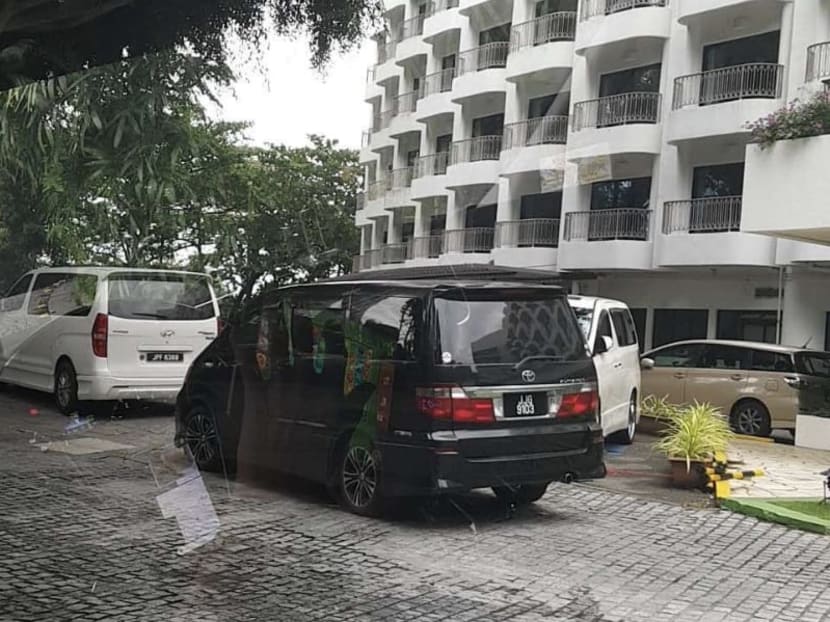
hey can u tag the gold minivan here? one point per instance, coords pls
(759, 385)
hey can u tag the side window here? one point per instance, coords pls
(624, 327)
(685, 355)
(317, 328)
(764, 360)
(14, 298)
(391, 325)
(63, 294)
(716, 356)
(604, 327)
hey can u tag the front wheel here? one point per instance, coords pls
(359, 481)
(66, 388)
(752, 418)
(521, 495)
(201, 439)
(626, 435)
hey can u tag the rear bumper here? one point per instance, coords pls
(438, 469)
(112, 388)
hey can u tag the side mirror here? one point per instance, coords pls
(603, 345)
(646, 363)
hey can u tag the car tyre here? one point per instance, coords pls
(750, 417)
(202, 440)
(524, 494)
(66, 388)
(358, 480)
(626, 436)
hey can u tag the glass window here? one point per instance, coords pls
(492, 125)
(717, 356)
(16, 295)
(678, 325)
(160, 295)
(63, 294)
(500, 332)
(585, 315)
(722, 180)
(639, 318)
(624, 327)
(497, 33)
(618, 193)
(681, 355)
(480, 216)
(604, 326)
(755, 49)
(638, 79)
(546, 7)
(813, 363)
(389, 324)
(764, 360)
(549, 105)
(317, 328)
(541, 205)
(748, 325)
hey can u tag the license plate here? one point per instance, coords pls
(165, 357)
(525, 404)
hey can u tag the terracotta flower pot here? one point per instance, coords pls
(688, 475)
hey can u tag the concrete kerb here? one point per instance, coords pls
(768, 510)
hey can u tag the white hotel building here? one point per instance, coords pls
(606, 140)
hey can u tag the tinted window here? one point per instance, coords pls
(638, 316)
(317, 329)
(624, 327)
(500, 332)
(686, 355)
(763, 360)
(716, 356)
(604, 326)
(813, 363)
(679, 324)
(160, 296)
(391, 321)
(621, 193)
(748, 325)
(585, 315)
(63, 294)
(14, 298)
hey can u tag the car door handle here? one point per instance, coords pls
(679, 375)
(736, 377)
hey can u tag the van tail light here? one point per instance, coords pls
(580, 404)
(100, 331)
(450, 403)
(220, 326)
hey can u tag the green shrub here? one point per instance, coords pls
(799, 119)
(694, 433)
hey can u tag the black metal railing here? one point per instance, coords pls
(552, 130)
(608, 224)
(488, 56)
(749, 81)
(471, 240)
(529, 232)
(476, 149)
(818, 61)
(559, 26)
(594, 8)
(623, 109)
(432, 164)
(438, 82)
(706, 215)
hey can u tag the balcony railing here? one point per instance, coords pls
(393, 253)
(432, 164)
(593, 8)
(357, 263)
(623, 109)
(427, 247)
(818, 61)
(369, 259)
(361, 201)
(412, 27)
(608, 224)
(405, 102)
(488, 56)
(552, 27)
(400, 178)
(750, 81)
(386, 50)
(366, 138)
(438, 82)
(381, 120)
(440, 5)
(472, 240)
(552, 130)
(376, 189)
(707, 215)
(529, 232)
(476, 149)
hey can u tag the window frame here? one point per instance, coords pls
(29, 277)
(63, 277)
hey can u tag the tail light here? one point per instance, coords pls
(579, 404)
(448, 403)
(100, 330)
(220, 326)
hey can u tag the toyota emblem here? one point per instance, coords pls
(528, 375)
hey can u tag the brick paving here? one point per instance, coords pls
(82, 537)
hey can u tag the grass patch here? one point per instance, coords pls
(806, 514)
(818, 509)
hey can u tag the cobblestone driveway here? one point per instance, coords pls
(82, 537)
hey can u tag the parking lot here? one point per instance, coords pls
(83, 535)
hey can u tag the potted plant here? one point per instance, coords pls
(692, 435)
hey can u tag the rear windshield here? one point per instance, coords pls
(813, 363)
(481, 332)
(160, 296)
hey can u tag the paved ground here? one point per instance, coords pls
(83, 537)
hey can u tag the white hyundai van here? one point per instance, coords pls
(87, 333)
(612, 337)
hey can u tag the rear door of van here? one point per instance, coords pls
(512, 367)
(158, 322)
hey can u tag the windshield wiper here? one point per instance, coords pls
(539, 357)
(157, 316)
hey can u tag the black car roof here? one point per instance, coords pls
(458, 272)
(422, 284)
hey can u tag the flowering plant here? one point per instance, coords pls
(799, 119)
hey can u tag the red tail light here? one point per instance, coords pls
(579, 404)
(100, 331)
(453, 404)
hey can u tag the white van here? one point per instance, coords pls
(105, 333)
(612, 337)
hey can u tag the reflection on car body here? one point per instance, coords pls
(388, 389)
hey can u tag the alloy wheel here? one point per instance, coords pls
(64, 388)
(201, 438)
(749, 420)
(359, 477)
(632, 418)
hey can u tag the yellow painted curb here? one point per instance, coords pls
(755, 439)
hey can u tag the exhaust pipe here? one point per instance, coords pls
(568, 478)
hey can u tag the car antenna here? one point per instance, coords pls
(806, 343)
